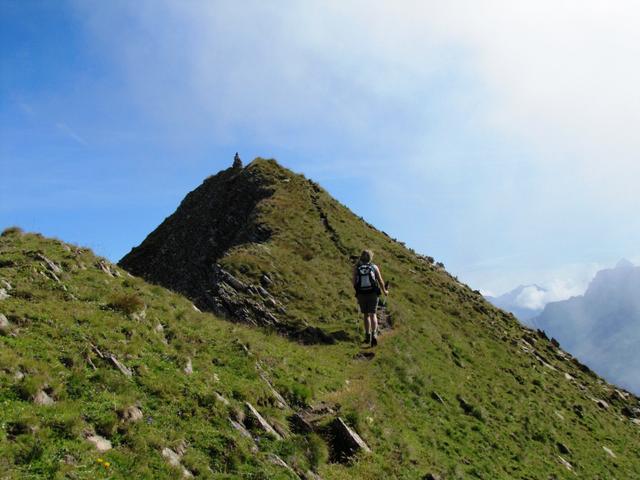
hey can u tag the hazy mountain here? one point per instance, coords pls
(602, 327)
(106, 375)
(523, 301)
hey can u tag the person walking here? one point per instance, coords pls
(368, 283)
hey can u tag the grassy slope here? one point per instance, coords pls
(446, 340)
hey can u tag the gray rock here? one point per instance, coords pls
(6, 284)
(173, 459)
(126, 371)
(188, 369)
(101, 443)
(221, 399)
(3, 294)
(276, 460)
(346, 442)
(259, 421)
(42, 398)
(53, 267)
(132, 414)
(566, 464)
(609, 452)
(4, 322)
(240, 428)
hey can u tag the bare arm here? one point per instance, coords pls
(383, 285)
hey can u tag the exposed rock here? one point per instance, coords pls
(609, 452)
(437, 397)
(6, 284)
(431, 476)
(345, 441)
(18, 375)
(566, 464)
(101, 443)
(53, 267)
(601, 403)
(42, 398)
(104, 266)
(567, 376)
(240, 428)
(195, 308)
(173, 459)
(279, 399)
(221, 399)
(3, 294)
(276, 460)
(126, 371)
(181, 448)
(188, 369)
(4, 323)
(132, 414)
(301, 424)
(259, 421)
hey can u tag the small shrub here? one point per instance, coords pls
(126, 303)
(12, 231)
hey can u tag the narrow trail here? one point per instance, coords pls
(333, 234)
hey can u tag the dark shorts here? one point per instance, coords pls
(368, 302)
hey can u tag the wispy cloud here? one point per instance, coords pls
(70, 133)
(512, 121)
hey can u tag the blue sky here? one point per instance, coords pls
(501, 138)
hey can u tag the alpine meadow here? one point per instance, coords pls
(228, 345)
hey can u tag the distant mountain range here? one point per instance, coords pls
(601, 327)
(525, 301)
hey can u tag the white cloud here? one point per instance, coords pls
(547, 89)
(535, 298)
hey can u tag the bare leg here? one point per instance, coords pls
(367, 324)
(374, 324)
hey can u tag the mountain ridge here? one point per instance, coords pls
(601, 326)
(456, 388)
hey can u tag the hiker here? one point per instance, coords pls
(367, 280)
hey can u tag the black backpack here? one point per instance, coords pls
(366, 279)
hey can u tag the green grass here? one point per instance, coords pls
(503, 412)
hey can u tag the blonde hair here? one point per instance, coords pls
(365, 257)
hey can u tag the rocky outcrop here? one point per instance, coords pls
(346, 442)
(183, 252)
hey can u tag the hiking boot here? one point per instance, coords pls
(374, 339)
(367, 338)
